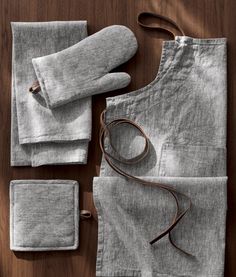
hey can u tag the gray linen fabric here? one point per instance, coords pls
(39, 135)
(44, 215)
(83, 69)
(183, 112)
(130, 215)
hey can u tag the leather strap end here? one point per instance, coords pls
(35, 87)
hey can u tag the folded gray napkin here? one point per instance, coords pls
(38, 135)
(83, 69)
(44, 215)
(130, 215)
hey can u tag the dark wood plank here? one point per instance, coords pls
(199, 18)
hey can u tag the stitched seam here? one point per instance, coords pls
(101, 241)
(136, 273)
(41, 79)
(54, 134)
(13, 227)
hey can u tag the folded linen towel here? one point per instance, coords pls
(38, 135)
(44, 215)
(83, 69)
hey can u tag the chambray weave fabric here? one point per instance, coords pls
(83, 69)
(39, 135)
(44, 215)
(183, 112)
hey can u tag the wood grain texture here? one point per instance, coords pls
(199, 18)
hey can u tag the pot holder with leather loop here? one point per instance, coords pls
(44, 215)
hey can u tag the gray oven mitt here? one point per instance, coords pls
(83, 69)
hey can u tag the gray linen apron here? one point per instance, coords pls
(183, 113)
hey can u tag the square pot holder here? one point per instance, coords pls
(44, 215)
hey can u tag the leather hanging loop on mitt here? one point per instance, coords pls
(35, 88)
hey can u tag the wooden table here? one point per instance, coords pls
(199, 18)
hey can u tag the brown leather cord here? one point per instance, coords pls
(143, 15)
(35, 88)
(105, 133)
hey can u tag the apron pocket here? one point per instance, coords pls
(192, 161)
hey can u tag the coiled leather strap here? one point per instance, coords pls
(105, 133)
(144, 15)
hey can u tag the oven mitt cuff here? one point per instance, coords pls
(83, 69)
(44, 215)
